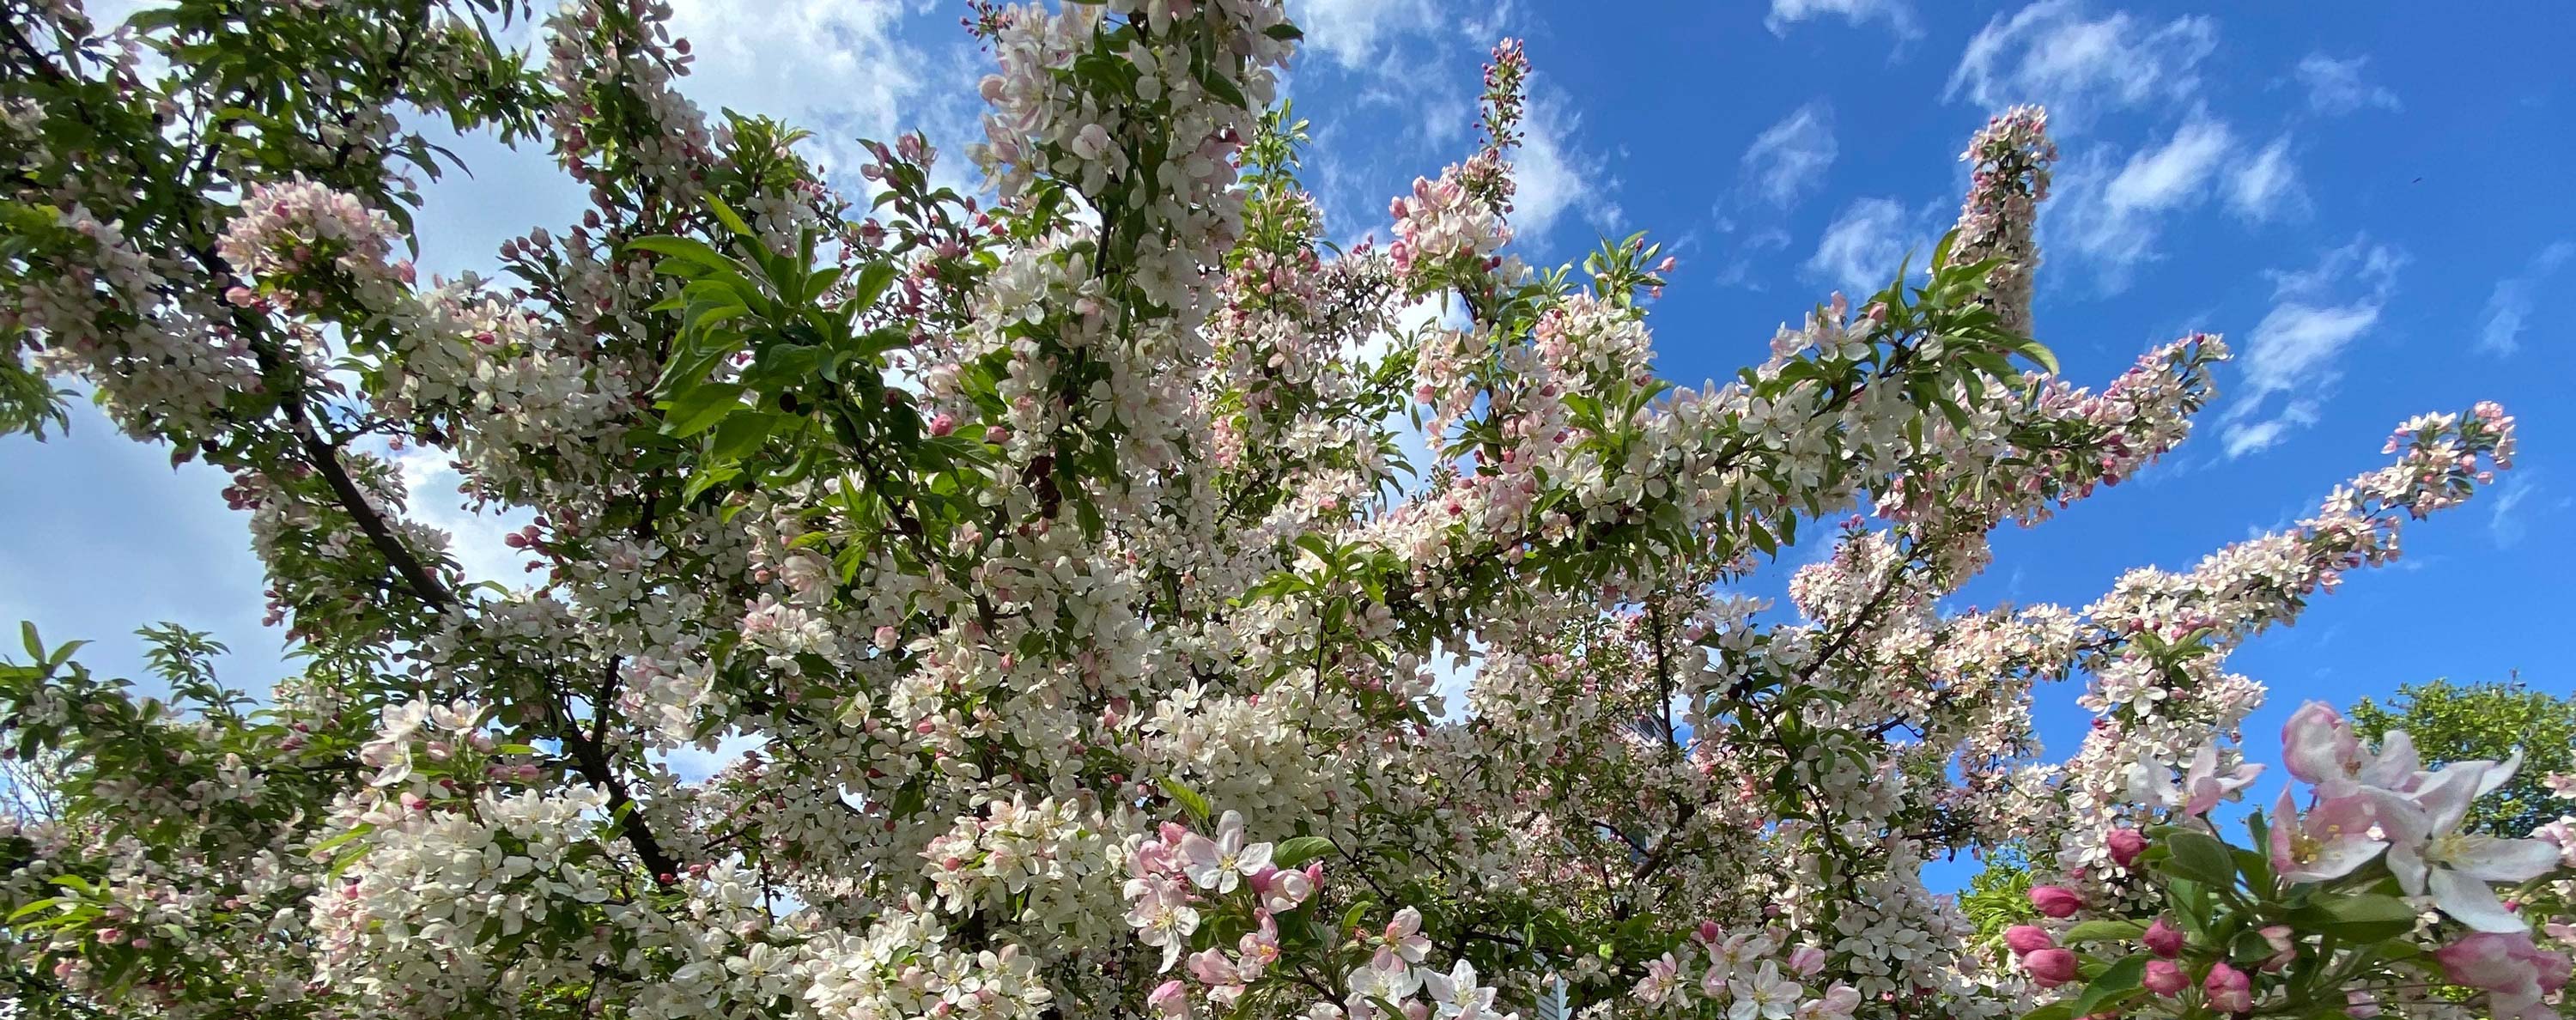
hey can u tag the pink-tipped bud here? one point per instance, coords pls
(2163, 939)
(2056, 901)
(2284, 948)
(2165, 978)
(2050, 967)
(2026, 939)
(2126, 845)
(2228, 989)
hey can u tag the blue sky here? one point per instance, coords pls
(2371, 205)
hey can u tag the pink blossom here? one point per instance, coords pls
(2515, 974)
(1170, 998)
(2331, 841)
(2319, 747)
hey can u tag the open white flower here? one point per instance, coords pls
(2429, 855)
(1764, 995)
(1221, 863)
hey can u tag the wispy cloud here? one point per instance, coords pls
(839, 68)
(1355, 33)
(2267, 187)
(2505, 521)
(2336, 86)
(1789, 158)
(2056, 53)
(1556, 174)
(1861, 250)
(2293, 354)
(1898, 14)
(2509, 308)
(2113, 216)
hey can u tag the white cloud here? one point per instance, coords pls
(1898, 14)
(1861, 250)
(2336, 86)
(2509, 308)
(1789, 158)
(2112, 217)
(476, 540)
(1555, 175)
(1352, 32)
(2267, 187)
(2054, 53)
(2293, 353)
(834, 67)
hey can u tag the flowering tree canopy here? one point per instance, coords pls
(1060, 548)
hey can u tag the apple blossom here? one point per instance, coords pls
(1053, 537)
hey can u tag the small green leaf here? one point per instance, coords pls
(1296, 852)
(1189, 799)
(700, 408)
(2356, 917)
(2199, 857)
(725, 215)
(2115, 984)
(2103, 931)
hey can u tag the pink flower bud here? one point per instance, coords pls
(1807, 961)
(2163, 939)
(2050, 967)
(2165, 978)
(2026, 939)
(2126, 844)
(2056, 901)
(2228, 989)
(1708, 933)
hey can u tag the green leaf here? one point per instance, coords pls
(740, 435)
(2199, 857)
(725, 215)
(2104, 931)
(872, 281)
(2356, 917)
(2115, 984)
(700, 408)
(1295, 852)
(1189, 799)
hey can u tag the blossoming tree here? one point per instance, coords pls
(1058, 548)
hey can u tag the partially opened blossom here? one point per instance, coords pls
(2227, 989)
(2515, 974)
(2319, 747)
